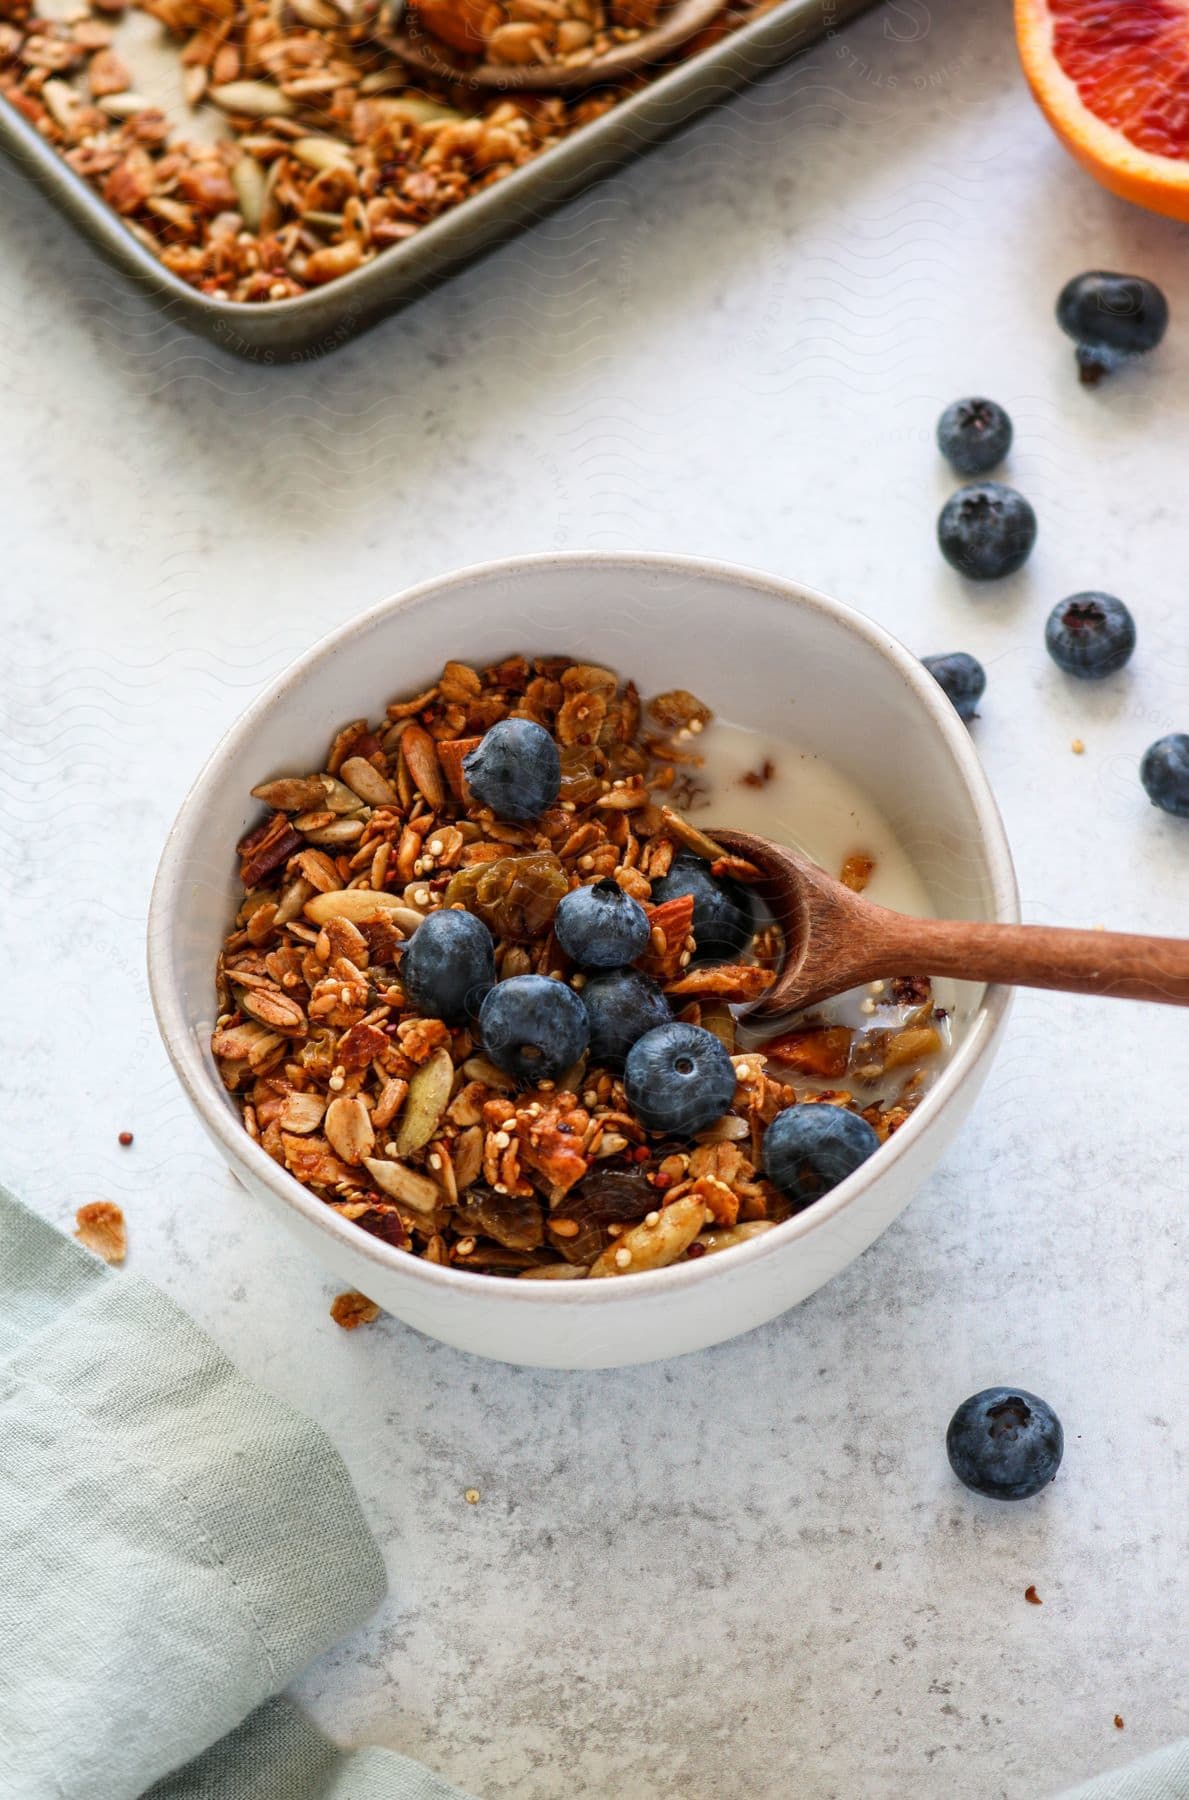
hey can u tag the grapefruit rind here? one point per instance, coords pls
(1160, 183)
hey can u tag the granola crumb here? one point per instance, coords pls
(125, 1138)
(472, 1496)
(857, 871)
(350, 1310)
(1078, 748)
(100, 1228)
(1032, 1597)
(1118, 1721)
(758, 778)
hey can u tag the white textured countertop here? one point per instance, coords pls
(748, 1572)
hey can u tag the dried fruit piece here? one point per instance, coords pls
(822, 1051)
(513, 1220)
(515, 897)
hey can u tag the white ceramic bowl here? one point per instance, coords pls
(760, 651)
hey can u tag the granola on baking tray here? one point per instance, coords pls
(297, 146)
(432, 1132)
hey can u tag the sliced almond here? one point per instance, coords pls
(276, 1010)
(429, 1096)
(450, 754)
(252, 99)
(302, 1112)
(349, 1130)
(323, 153)
(361, 903)
(421, 758)
(400, 1182)
(291, 793)
(367, 782)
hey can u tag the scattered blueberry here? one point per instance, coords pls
(679, 1079)
(1110, 317)
(601, 927)
(1165, 773)
(621, 1006)
(974, 435)
(516, 770)
(533, 1027)
(1090, 635)
(449, 965)
(1005, 1443)
(961, 677)
(809, 1149)
(986, 530)
(723, 921)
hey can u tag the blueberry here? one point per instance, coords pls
(679, 1079)
(809, 1149)
(974, 435)
(533, 1027)
(961, 677)
(516, 770)
(723, 920)
(449, 965)
(1110, 317)
(600, 926)
(986, 530)
(621, 1006)
(1005, 1443)
(1090, 635)
(1165, 773)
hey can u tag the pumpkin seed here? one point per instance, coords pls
(428, 1098)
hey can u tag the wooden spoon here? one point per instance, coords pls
(834, 939)
(429, 56)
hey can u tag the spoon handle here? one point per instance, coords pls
(1124, 965)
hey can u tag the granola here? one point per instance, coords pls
(404, 1123)
(100, 1228)
(300, 147)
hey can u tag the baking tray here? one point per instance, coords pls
(283, 331)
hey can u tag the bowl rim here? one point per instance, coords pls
(209, 1100)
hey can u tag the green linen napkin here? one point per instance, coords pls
(175, 1546)
(1162, 1776)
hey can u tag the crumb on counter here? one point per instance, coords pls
(124, 1139)
(351, 1310)
(1078, 748)
(100, 1228)
(1118, 1721)
(472, 1496)
(857, 871)
(1032, 1597)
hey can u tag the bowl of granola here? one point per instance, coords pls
(455, 974)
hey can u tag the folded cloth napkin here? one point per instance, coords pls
(175, 1546)
(1162, 1776)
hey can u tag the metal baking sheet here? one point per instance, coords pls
(292, 330)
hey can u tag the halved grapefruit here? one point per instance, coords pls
(1113, 79)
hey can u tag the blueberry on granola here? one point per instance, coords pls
(621, 1005)
(515, 770)
(961, 677)
(1090, 635)
(723, 921)
(679, 1079)
(449, 965)
(1005, 1443)
(809, 1149)
(601, 927)
(1164, 772)
(973, 435)
(986, 531)
(532, 1027)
